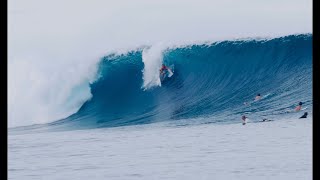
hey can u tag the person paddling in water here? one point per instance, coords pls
(257, 98)
(298, 108)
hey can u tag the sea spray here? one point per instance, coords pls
(152, 58)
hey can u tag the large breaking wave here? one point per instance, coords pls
(210, 83)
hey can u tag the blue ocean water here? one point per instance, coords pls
(210, 84)
(278, 150)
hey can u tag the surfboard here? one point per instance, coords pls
(171, 70)
(266, 120)
(304, 108)
(265, 96)
(168, 73)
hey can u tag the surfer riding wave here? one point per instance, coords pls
(163, 71)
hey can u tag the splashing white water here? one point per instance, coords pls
(152, 59)
(43, 92)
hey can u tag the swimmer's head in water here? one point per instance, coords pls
(300, 103)
(258, 95)
(244, 117)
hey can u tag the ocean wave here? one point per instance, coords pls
(210, 83)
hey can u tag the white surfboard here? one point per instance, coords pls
(170, 73)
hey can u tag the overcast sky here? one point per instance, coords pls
(35, 25)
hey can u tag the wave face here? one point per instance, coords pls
(210, 83)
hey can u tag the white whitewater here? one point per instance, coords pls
(152, 58)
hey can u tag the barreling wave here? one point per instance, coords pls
(210, 83)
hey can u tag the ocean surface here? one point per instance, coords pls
(280, 149)
(188, 126)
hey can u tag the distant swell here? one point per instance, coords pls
(210, 83)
